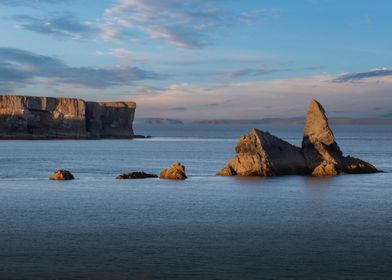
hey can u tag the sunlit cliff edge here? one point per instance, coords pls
(30, 117)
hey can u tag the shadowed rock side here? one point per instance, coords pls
(110, 119)
(29, 117)
(322, 153)
(136, 175)
(262, 154)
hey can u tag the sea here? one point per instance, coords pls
(206, 227)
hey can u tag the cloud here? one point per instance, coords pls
(269, 98)
(252, 16)
(178, 109)
(358, 76)
(180, 23)
(264, 70)
(65, 26)
(212, 105)
(124, 55)
(20, 68)
(254, 72)
(31, 2)
(184, 24)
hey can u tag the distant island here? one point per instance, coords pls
(268, 121)
(300, 121)
(159, 121)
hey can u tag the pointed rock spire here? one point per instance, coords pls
(316, 127)
(322, 153)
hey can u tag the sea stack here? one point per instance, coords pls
(322, 153)
(30, 117)
(62, 175)
(262, 154)
(174, 172)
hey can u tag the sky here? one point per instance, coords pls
(203, 59)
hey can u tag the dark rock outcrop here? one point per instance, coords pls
(110, 119)
(136, 175)
(322, 153)
(262, 154)
(29, 117)
(174, 172)
(62, 175)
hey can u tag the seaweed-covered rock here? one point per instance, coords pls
(136, 175)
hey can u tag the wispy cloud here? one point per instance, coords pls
(178, 109)
(31, 2)
(65, 25)
(181, 23)
(124, 55)
(20, 67)
(253, 16)
(269, 98)
(253, 72)
(358, 76)
(184, 24)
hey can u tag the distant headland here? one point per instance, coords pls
(30, 117)
(268, 121)
(301, 121)
(158, 121)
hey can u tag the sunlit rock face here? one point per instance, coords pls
(174, 172)
(262, 154)
(322, 153)
(28, 117)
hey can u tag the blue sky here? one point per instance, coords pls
(198, 59)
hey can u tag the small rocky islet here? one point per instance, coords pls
(62, 175)
(262, 154)
(175, 172)
(136, 175)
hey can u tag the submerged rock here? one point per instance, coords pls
(136, 175)
(174, 172)
(322, 153)
(262, 154)
(62, 175)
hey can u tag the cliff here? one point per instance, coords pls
(110, 119)
(29, 117)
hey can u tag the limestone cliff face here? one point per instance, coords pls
(110, 119)
(29, 117)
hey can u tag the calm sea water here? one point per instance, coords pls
(206, 227)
